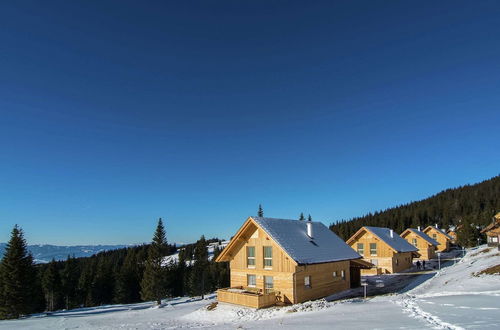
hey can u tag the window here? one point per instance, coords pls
(251, 281)
(373, 249)
(414, 242)
(342, 273)
(335, 274)
(307, 281)
(397, 262)
(268, 284)
(361, 248)
(374, 262)
(251, 256)
(434, 236)
(268, 256)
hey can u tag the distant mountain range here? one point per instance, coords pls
(45, 253)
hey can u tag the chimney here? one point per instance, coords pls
(437, 226)
(418, 228)
(309, 229)
(392, 233)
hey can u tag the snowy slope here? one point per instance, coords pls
(452, 298)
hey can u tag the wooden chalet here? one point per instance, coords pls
(383, 248)
(440, 236)
(492, 231)
(287, 261)
(426, 246)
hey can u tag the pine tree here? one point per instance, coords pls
(51, 284)
(153, 284)
(69, 282)
(260, 212)
(309, 218)
(17, 278)
(301, 217)
(128, 280)
(197, 277)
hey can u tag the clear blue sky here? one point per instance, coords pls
(116, 113)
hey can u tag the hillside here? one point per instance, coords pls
(475, 204)
(456, 297)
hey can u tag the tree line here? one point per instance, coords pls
(129, 275)
(468, 208)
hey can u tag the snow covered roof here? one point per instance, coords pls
(396, 242)
(291, 236)
(424, 236)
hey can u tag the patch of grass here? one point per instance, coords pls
(494, 270)
(482, 251)
(212, 306)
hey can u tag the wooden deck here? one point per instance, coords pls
(240, 296)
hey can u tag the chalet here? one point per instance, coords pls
(426, 246)
(383, 248)
(492, 231)
(287, 261)
(440, 236)
(452, 232)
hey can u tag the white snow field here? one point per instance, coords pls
(452, 298)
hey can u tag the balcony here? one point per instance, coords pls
(250, 297)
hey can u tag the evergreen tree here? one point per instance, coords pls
(260, 212)
(153, 284)
(197, 277)
(51, 284)
(69, 281)
(17, 278)
(309, 218)
(128, 280)
(302, 218)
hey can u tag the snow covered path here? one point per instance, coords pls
(452, 298)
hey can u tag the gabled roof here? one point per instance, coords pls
(291, 236)
(439, 230)
(421, 234)
(492, 225)
(396, 242)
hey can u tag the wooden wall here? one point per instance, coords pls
(322, 281)
(444, 242)
(385, 258)
(426, 250)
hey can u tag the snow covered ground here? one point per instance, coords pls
(452, 298)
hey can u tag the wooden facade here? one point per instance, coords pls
(492, 231)
(443, 239)
(289, 282)
(426, 250)
(374, 250)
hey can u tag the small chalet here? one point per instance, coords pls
(440, 236)
(287, 261)
(426, 246)
(385, 249)
(452, 232)
(492, 231)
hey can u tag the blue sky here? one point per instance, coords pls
(116, 113)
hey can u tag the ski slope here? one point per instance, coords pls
(452, 298)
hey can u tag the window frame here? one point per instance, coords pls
(254, 285)
(342, 274)
(250, 258)
(414, 242)
(268, 260)
(267, 288)
(372, 249)
(361, 250)
(307, 281)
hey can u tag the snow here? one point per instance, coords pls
(291, 235)
(396, 242)
(450, 298)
